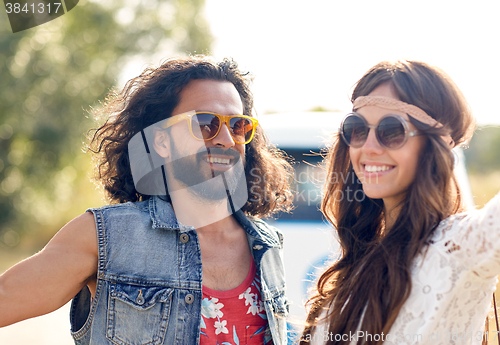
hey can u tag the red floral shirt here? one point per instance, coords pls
(235, 317)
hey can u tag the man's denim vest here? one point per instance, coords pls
(149, 278)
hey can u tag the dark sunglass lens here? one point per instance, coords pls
(205, 126)
(355, 131)
(391, 132)
(241, 128)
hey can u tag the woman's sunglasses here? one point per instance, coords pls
(205, 126)
(392, 131)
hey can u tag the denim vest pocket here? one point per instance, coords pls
(138, 315)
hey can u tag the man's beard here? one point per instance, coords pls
(197, 175)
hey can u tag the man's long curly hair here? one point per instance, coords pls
(151, 97)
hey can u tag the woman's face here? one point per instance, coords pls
(385, 174)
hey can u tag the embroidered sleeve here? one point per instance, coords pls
(474, 238)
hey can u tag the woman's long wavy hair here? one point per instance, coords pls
(366, 288)
(150, 98)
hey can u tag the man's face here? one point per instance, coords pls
(196, 163)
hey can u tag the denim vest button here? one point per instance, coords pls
(184, 238)
(189, 298)
(140, 299)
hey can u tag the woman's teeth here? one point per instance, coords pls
(376, 168)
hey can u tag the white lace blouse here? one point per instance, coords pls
(452, 284)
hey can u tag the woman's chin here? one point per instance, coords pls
(374, 193)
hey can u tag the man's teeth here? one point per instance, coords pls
(218, 160)
(376, 168)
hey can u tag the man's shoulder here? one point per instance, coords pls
(263, 227)
(127, 207)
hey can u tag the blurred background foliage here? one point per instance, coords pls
(483, 163)
(51, 77)
(483, 154)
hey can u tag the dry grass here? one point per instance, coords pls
(484, 187)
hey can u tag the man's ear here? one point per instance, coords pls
(161, 142)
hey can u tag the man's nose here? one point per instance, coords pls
(224, 137)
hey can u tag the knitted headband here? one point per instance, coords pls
(394, 104)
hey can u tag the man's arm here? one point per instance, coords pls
(49, 279)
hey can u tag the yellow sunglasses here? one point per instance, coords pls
(205, 126)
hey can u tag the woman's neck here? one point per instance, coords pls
(391, 214)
